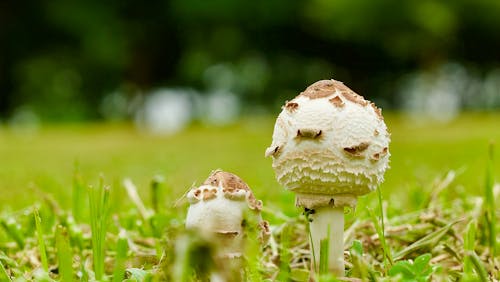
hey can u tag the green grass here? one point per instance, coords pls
(99, 210)
(45, 161)
(64, 254)
(434, 198)
(41, 241)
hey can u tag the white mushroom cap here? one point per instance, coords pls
(329, 141)
(219, 206)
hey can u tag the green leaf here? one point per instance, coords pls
(299, 274)
(138, 274)
(421, 264)
(357, 247)
(402, 267)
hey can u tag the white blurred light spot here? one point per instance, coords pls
(434, 95)
(24, 121)
(165, 111)
(222, 108)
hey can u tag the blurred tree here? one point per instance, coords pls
(62, 58)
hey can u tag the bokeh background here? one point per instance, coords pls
(125, 60)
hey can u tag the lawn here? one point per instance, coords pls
(38, 166)
(45, 161)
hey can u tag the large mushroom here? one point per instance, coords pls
(329, 146)
(219, 209)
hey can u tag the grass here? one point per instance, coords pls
(436, 219)
(99, 209)
(41, 241)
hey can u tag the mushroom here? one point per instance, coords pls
(218, 209)
(329, 147)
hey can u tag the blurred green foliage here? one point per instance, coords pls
(60, 58)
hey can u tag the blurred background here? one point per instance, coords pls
(165, 64)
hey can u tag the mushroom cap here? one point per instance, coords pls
(220, 205)
(330, 141)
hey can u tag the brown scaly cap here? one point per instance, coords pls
(357, 150)
(231, 184)
(291, 106)
(377, 111)
(321, 89)
(325, 88)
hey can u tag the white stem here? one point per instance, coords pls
(328, 223)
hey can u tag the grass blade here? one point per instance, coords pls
(323, 254)
(285, 255)
(3, 273)
(490, 203)
(99, 205)
(386, 249)
(478, 266)
(121, 257)
(156, 184)
(360, 268)
(426, 242)
(469, 245)
(78, 195)
(41, 241)
(134, 197)
(14, 231)
(388, 259)
(64, 255)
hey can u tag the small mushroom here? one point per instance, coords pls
(349, 160)
(218, 209)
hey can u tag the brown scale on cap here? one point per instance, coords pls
(320, 89)
(337, 102)
(376, 133)
(326, 88)
(265, 232)
(209, 194)
(376, 156)
(353, 97)
(356, 150)
(274, 152)
(378, 111)
(231, 184)
(197, 193)
(291, 106)
(309, 133)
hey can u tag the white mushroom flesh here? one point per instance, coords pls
(329, 141)
(219, 207)
(211, 210)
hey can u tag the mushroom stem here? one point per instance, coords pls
(328, 223)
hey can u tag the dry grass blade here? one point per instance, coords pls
(134, 197)
(428, 241)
